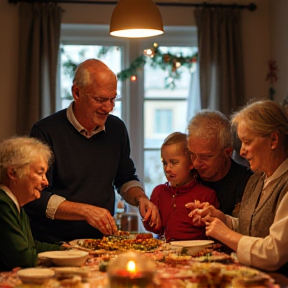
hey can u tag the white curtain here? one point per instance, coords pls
(193, 99)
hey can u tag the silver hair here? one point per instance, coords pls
(19, 152)
(211, 124)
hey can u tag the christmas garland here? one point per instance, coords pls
(165, 61)
(153, 56)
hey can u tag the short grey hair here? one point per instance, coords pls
(19, 152)
(211, 124)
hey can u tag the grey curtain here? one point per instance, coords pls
(220, 58)
(39, 47)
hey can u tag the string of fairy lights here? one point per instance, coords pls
(152, 56)
(156, 58)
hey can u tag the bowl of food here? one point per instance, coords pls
(65, 257)
(35, 275)
(190, 247)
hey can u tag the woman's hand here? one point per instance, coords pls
(217, 229)
(199, 211)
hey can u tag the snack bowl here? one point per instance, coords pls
(35, 275)
(66, 257)
(190, 247)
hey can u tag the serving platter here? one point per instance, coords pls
(140, 242)
(79, 244)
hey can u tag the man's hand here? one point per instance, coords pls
(97, 217)
(197, 205)
(196, 213)
(101, 219)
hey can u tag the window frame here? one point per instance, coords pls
(132, 92)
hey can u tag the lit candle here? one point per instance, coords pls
(131, 270)
(131, 266)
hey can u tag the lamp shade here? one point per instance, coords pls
(136, 19)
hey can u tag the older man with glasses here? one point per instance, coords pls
(210, 143)
(92, 158)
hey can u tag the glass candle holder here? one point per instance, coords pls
(131, 269)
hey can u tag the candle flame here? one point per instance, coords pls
(131, 266)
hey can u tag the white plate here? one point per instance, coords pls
(66, 257)
(35, 275)
(192, 247)
(76, 242)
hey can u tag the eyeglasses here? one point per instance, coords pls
(201, 157)
(102, 100)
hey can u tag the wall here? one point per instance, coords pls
(8, 67)
(279, 44)
(257, 50)
(256, 42)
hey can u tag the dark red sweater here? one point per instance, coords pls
(176, 225)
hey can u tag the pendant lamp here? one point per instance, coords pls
(136, 19)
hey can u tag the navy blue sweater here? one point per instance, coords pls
(229, 190)
(84, 170)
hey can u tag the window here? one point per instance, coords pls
(71, 54)
(163, 121)
(149, 110)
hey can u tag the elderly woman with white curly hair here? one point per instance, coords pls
(23, 165)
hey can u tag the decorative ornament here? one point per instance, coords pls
(166, 58)
(272, 77)
(133, 78)
(194, 59)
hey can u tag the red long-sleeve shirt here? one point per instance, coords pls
(176, 225)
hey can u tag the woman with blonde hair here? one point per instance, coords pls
(23, 165)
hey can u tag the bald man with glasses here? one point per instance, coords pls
(92, 158)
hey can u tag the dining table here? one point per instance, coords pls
(213, 266)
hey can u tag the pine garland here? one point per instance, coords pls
(152, 56)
